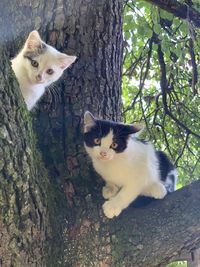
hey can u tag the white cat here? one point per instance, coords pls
(37, 66)
(130, 167)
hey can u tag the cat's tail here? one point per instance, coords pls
(171, 180)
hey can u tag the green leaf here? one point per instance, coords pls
(157, 28)
(166, 15)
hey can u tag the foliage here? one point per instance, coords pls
(160, 82)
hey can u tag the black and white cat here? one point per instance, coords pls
(130, 167)
(37, 66)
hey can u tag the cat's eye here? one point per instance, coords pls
(97, 141)
(34, 63)
(114, 145)
(50, 71)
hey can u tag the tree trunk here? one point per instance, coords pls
(23, 213)
(52, 215)
(94, 34)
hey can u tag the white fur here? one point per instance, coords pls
(127, 175)
(26, 74)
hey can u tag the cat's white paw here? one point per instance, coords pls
(159, 191)
(111, 209)
(109, 191)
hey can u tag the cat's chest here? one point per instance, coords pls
(32, 94)
(118, 173)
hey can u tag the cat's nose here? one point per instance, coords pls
(103, 154)
(39, 78)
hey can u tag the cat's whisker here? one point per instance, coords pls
(54, 95)
(55, 92)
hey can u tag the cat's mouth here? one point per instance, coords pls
(104, 158)
(41, 82)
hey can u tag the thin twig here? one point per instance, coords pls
(183, 149)
(194, 66)
(142, 80)
(164, 89)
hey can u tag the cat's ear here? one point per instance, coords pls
(33, 41)
(89, 121)
(138, 127)
(134, 128)
(65, 60)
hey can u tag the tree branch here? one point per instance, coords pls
(179, 10)
(183, 149)
(194, 66)
(159, 232)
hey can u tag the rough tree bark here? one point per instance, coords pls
(23, 223)
(50, 202)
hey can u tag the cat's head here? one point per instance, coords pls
(105, 139)
(43, 63)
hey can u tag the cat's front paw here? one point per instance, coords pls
(111, 209)
(109, 191)
(159, 191)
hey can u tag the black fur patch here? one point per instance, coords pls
(102, 128)
(165, 165)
